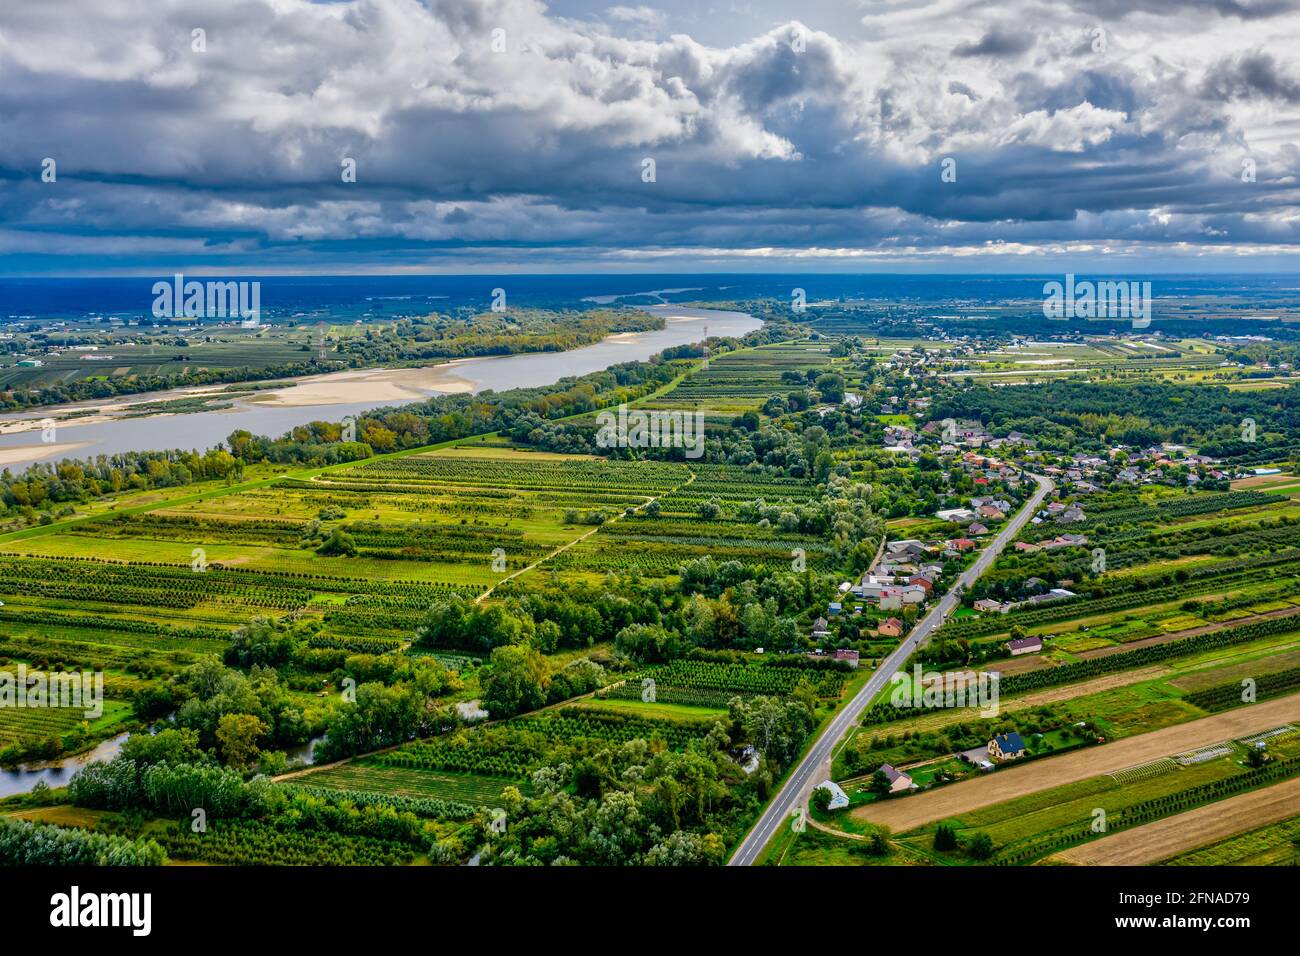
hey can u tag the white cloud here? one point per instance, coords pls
(798, 137)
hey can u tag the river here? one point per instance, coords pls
(55, 773)
(337, 395)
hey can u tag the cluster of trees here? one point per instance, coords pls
(468, 333)
(1075, 415)
(747, 443)
(274, 644)
(455, 622)
(169, 774)
(23, 843)
(236, 714)
(979, 846)
(88, 389)
(727, 605)
(380, 715)
(449, 417)
(520, 678)
(45, 484)
(634, 804)
(382, 699)
(242, 711)
(245, 714)
(842, 515)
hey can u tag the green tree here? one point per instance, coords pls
(338, 544)
(517, 680)
(237, 735)
(879, 783)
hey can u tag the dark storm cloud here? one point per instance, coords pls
(1239, 9)
(491, 129)
(1250, 76)
(1000, 40)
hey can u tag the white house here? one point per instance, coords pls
(912, 594)
(839, 799)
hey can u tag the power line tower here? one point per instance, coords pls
(320, 341)
(706, 348)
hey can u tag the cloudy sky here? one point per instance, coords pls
(515, 135)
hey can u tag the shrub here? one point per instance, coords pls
(980, 847)
(945, 837)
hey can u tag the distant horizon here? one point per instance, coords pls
(841, 274)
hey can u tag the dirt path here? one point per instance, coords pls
(935, 719)
(1262, 481)
(1190, 632)
(1162, 839)
(1010, 782)
(565, 547)
(1034, 662)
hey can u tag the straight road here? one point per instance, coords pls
(816, 763)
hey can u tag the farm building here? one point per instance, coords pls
(978, 757)
(1055, 594)
(1025, 645)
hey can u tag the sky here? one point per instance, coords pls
(491, 136)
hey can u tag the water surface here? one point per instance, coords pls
(202, 430)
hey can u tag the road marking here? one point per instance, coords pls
(778, 811)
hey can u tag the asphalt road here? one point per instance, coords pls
(815, 765)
